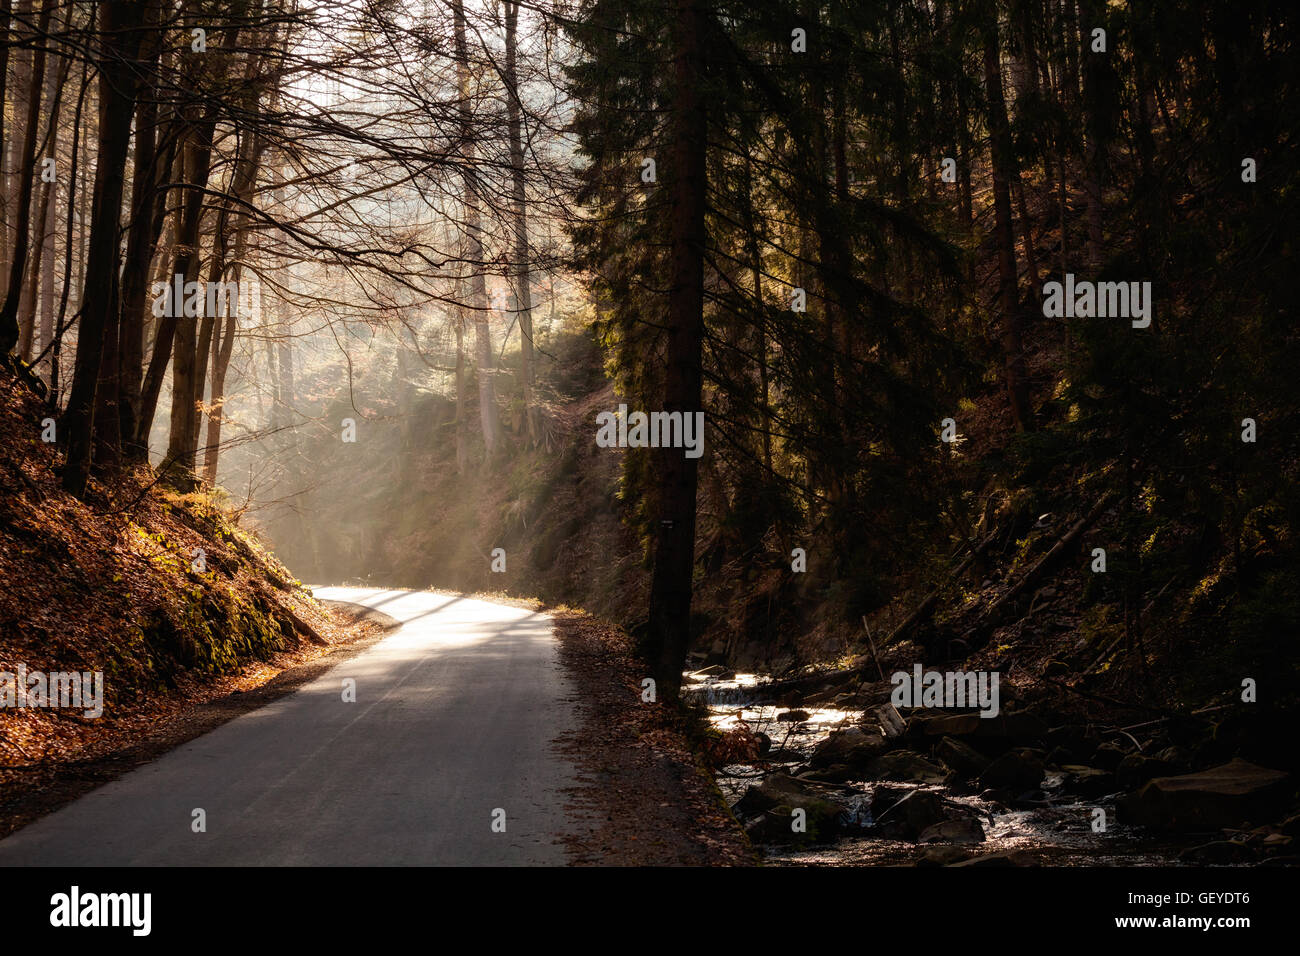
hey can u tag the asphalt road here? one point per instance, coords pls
(454, 717)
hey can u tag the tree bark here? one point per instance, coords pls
(6, 36)
(119, 43)
(522, 253)
(148, 202)
(184, 340)
(1003, 164)
(9, 331)
(43, 247)
(668, 630)
(488, 414)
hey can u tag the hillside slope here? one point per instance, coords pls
(163, 593)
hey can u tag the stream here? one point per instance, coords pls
(1050, 826)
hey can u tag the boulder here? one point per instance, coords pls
(959, 830)
(782, 755)
(1015, 728)
(1089, 781)
(1015, 770)
(1136, 769)
(777, 826)
(1179, 758)
(912, 815)
(890, 720)
(1276, 841)
(792, 716)
(835, 773)
(773, 802)
(852, 746)
(1019, 728)
(963, 758)
(1222, 796)
(1059, 757)
(943, 854)
(1108, 756)
(944, 725)
(1073, 738)
(909, 766)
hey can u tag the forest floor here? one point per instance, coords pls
(645, 795)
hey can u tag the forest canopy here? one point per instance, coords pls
(969, 295)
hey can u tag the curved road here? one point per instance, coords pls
(453, 720)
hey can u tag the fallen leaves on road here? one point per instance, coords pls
(645, 797)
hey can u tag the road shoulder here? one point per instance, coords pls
(644, 796)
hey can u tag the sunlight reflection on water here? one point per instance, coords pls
(1057, 832)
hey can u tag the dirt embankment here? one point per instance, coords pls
(176, 615)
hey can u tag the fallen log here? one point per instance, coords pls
(1030, 579)
(926, 608)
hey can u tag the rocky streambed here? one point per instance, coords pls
(826, 770)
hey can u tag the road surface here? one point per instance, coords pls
(454, 717)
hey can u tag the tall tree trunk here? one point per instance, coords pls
(522, 277)
(760, 314)
(148, 202)
(27, 175)
(11, 148)
(119, 42)
(462, 452)
(964, 158)
(179, 336)
(1027, 235)
(42, 249)
(48, 231)
(187, 363)
(66, 293)
(248, 159)
(6, 37)
(1003, 163)
(1094, 157)
(488, 414)
(223, 346)
(668, 631)
(284, 360)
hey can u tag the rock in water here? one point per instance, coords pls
(942, 855)
(1223, 796)
(906, 765)
(774, 801)
(852, 747)
(890, 720)
(963, 758)
(1088, 781)
(916, 813)
(1015, 770)
(1136, 769)
(960, 830)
